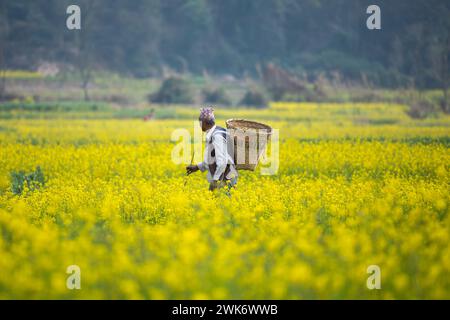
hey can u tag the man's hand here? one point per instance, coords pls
(213, 185)
(191, 168)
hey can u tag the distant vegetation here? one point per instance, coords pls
(115, 96)
(216, 96)
(54, 106)
(219, 52)
(173, 90)
(308, 38)
(254, 98)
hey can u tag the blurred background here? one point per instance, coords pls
(132, 54)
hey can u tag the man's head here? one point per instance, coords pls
(206, 118)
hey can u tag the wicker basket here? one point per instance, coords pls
(250, 137)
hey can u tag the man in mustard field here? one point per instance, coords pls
(217, 159)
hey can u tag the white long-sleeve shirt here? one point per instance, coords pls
(215, 141)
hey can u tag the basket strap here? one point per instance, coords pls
(222, 131)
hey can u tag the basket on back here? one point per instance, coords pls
(250, 140)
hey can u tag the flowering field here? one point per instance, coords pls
(357, 185)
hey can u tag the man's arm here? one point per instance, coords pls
(195, 167)
(202, 166)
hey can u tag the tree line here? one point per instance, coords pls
(307, 37)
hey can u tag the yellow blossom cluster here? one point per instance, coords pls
(357, 185)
